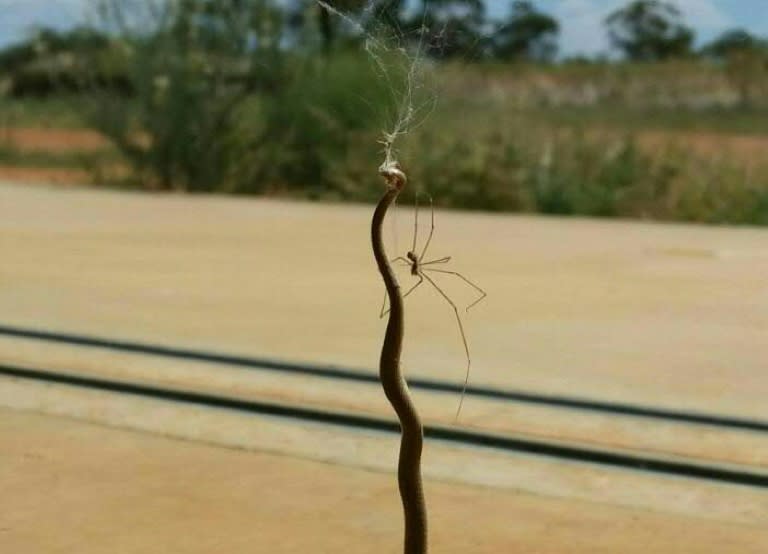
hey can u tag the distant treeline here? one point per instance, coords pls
(288, 97)
(642, 30)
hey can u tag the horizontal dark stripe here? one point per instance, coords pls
(369, 423)
(332, 372)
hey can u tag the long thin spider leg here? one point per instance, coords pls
(382, 312)
(483, 294)
(431, 230)
(401, 259)
(440, 261)
(463, 340)
(413, 288)
(410, 290)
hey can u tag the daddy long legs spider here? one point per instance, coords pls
(421, 270)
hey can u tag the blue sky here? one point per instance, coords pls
(582, 30)
(581, 20)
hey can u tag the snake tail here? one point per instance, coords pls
(396, 389)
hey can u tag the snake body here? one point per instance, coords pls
(395, 387)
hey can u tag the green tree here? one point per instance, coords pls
(308, 18)
(389, 13)
(194, 66)
(649, 30)
(50, 41)
(52, 61)
(745, 58)
(731, 42)
(449, 28)
(528, 34)
(328, 22)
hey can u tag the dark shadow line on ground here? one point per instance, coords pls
(434, 385)
(369, 423)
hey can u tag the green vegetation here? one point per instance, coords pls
(256, 97)
(74, 159)
(649, 30)
(527, 34)
(526, 166)
(724, 122)
(59, 111)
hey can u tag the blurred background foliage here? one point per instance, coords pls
(287, 97)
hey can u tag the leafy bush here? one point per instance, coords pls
(214, 109)
(192, 77)
(329, 108)
(535, 168)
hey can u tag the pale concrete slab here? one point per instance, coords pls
(667, 315)
(706, 444)
(445, 461)
(74, 487)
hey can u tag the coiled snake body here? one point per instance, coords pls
(395, 387)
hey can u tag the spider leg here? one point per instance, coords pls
(440, 261)
(410, 290)
(483, 294)
(401, 259)
(383, 312)
(431, 230)
(463, 340)
(413, 288)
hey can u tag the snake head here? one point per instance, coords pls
(393, 175)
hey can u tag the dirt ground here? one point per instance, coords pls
(58, 176)
(745, 149)
(666, 315)
(702, 443)
(74, 487)
(49, 140)
(52, 140)
(736, 149)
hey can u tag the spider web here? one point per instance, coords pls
(399, 59)
(401, 62)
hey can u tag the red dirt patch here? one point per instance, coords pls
(747, 149)
(35, 175)
(53, 140)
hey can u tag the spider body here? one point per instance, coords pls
(414, 263)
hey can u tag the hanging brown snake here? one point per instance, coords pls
(395, 387)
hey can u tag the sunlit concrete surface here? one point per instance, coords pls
(356, 448)
(69, 486)
(540, 422)
(670, 316)
(666, 315)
